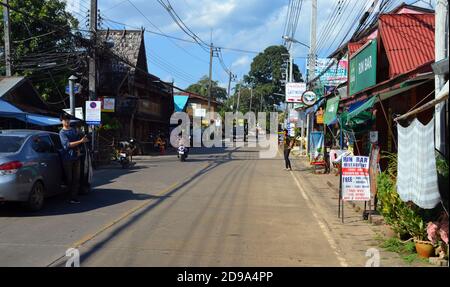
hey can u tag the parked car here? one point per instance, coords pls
(31, 167)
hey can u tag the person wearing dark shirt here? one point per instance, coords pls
(287, 146)
(71, 142)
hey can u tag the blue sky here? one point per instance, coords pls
(250, 25)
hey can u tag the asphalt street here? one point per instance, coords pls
(223, 207)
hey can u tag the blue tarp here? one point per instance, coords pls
(180, 102)
(7, 108)
(9, 111)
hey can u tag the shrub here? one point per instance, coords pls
(402, 217)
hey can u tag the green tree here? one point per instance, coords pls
(201, 87)
(42, 44)
(266, 75)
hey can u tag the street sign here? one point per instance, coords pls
(309, 98)
(108, 105)
(200, 113)
(76, 89)
(294, 92)
(78, 113)
(93, 112)
(355, 178)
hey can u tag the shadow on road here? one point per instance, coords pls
(227, 157)
(58, 205)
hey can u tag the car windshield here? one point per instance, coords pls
(10, 144)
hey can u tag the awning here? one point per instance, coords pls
(361, 108)
(7, 110)
(40, 120)
(314, 108)
(331, 110)
(407, 85)
(180, 102)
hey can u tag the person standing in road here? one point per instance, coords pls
(287, 146)
(71, 142)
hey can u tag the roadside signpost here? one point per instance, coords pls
(355, 180)
(93, 113)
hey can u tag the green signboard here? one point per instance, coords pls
(363, 68)
(331, 110)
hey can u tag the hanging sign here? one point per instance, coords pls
(309, 98)
(294, 92)
(93, 112)
(108, 105)
(355, 178)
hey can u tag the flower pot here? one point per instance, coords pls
(424, 248)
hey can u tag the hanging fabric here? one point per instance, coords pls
(416, 172)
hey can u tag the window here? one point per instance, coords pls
(10, 144)
(43, 144)
(56, 141)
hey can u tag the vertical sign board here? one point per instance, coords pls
(108, 105)
(355, 178)
(363, 68)
(93, 112)
(294, 92)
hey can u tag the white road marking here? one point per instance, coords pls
(327, 234)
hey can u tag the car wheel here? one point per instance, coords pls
(36, 197)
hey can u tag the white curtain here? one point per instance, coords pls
(417, 175)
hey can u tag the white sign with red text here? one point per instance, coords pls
(355, 178)
(294, 92)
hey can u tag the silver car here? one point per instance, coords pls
(31, 167)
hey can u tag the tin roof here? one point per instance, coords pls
(408, 40)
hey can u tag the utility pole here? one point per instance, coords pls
(313, 35)
(210, 75)
(7, 35)
(251, 98)
(92, 60)
(311, 62)
(71, 94)
(239, 97)
(441, 52)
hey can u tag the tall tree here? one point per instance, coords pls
(201, 87)
(266, 75)
(43, 47)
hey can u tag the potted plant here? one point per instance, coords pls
(418, 231)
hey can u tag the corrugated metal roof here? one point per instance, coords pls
(8, 83)
(353, 47)
(408, 40)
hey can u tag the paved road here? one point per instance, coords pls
(224, 207)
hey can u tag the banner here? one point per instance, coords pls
(355, 178)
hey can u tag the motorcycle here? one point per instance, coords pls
(183, 152)
(125, 152)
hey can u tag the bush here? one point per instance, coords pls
(403, 217)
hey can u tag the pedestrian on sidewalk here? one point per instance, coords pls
(70, 140)
(287, 146)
